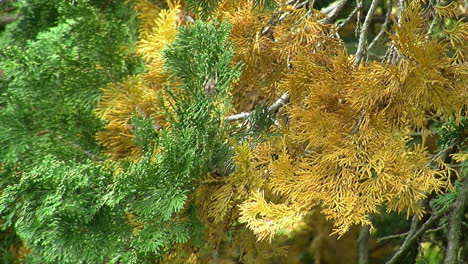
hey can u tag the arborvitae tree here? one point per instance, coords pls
(252, 135)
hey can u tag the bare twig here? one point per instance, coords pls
(239, 116)
(363, 34)
(443, 153)
(280, 16)
(379, 240)
(414, 236)
(351, 15)
(455, 220)
(280, 102)
(272, 108)
(384, 26)
(335, 12)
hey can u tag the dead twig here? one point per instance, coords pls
(384, 26)
(334, 12)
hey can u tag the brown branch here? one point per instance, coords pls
(443, 153)
(413, 236)
(363, 34)
(455, 220)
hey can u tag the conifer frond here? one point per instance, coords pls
(264, 218)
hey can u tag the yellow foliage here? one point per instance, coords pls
(265, 219)
(345, 148)
(460, 157)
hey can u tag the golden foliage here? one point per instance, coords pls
(345, 148)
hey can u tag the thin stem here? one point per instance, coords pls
(77, 147)
(379, 240)
(351, 15)
(384, 26)
(335, 12)
(363, 34)
(401, 9)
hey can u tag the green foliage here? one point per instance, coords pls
(189, 61)
(145, 132)
(60, 210)
(54, 59)
(52, 82)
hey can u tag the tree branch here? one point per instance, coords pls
(363, 242)
(272, 108)
(77, 147)
(363, 34)
(455, 220)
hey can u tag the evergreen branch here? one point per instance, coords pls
(455, 220)
(384, 26)
(363, 34)
(272, 109)
(414, 234)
